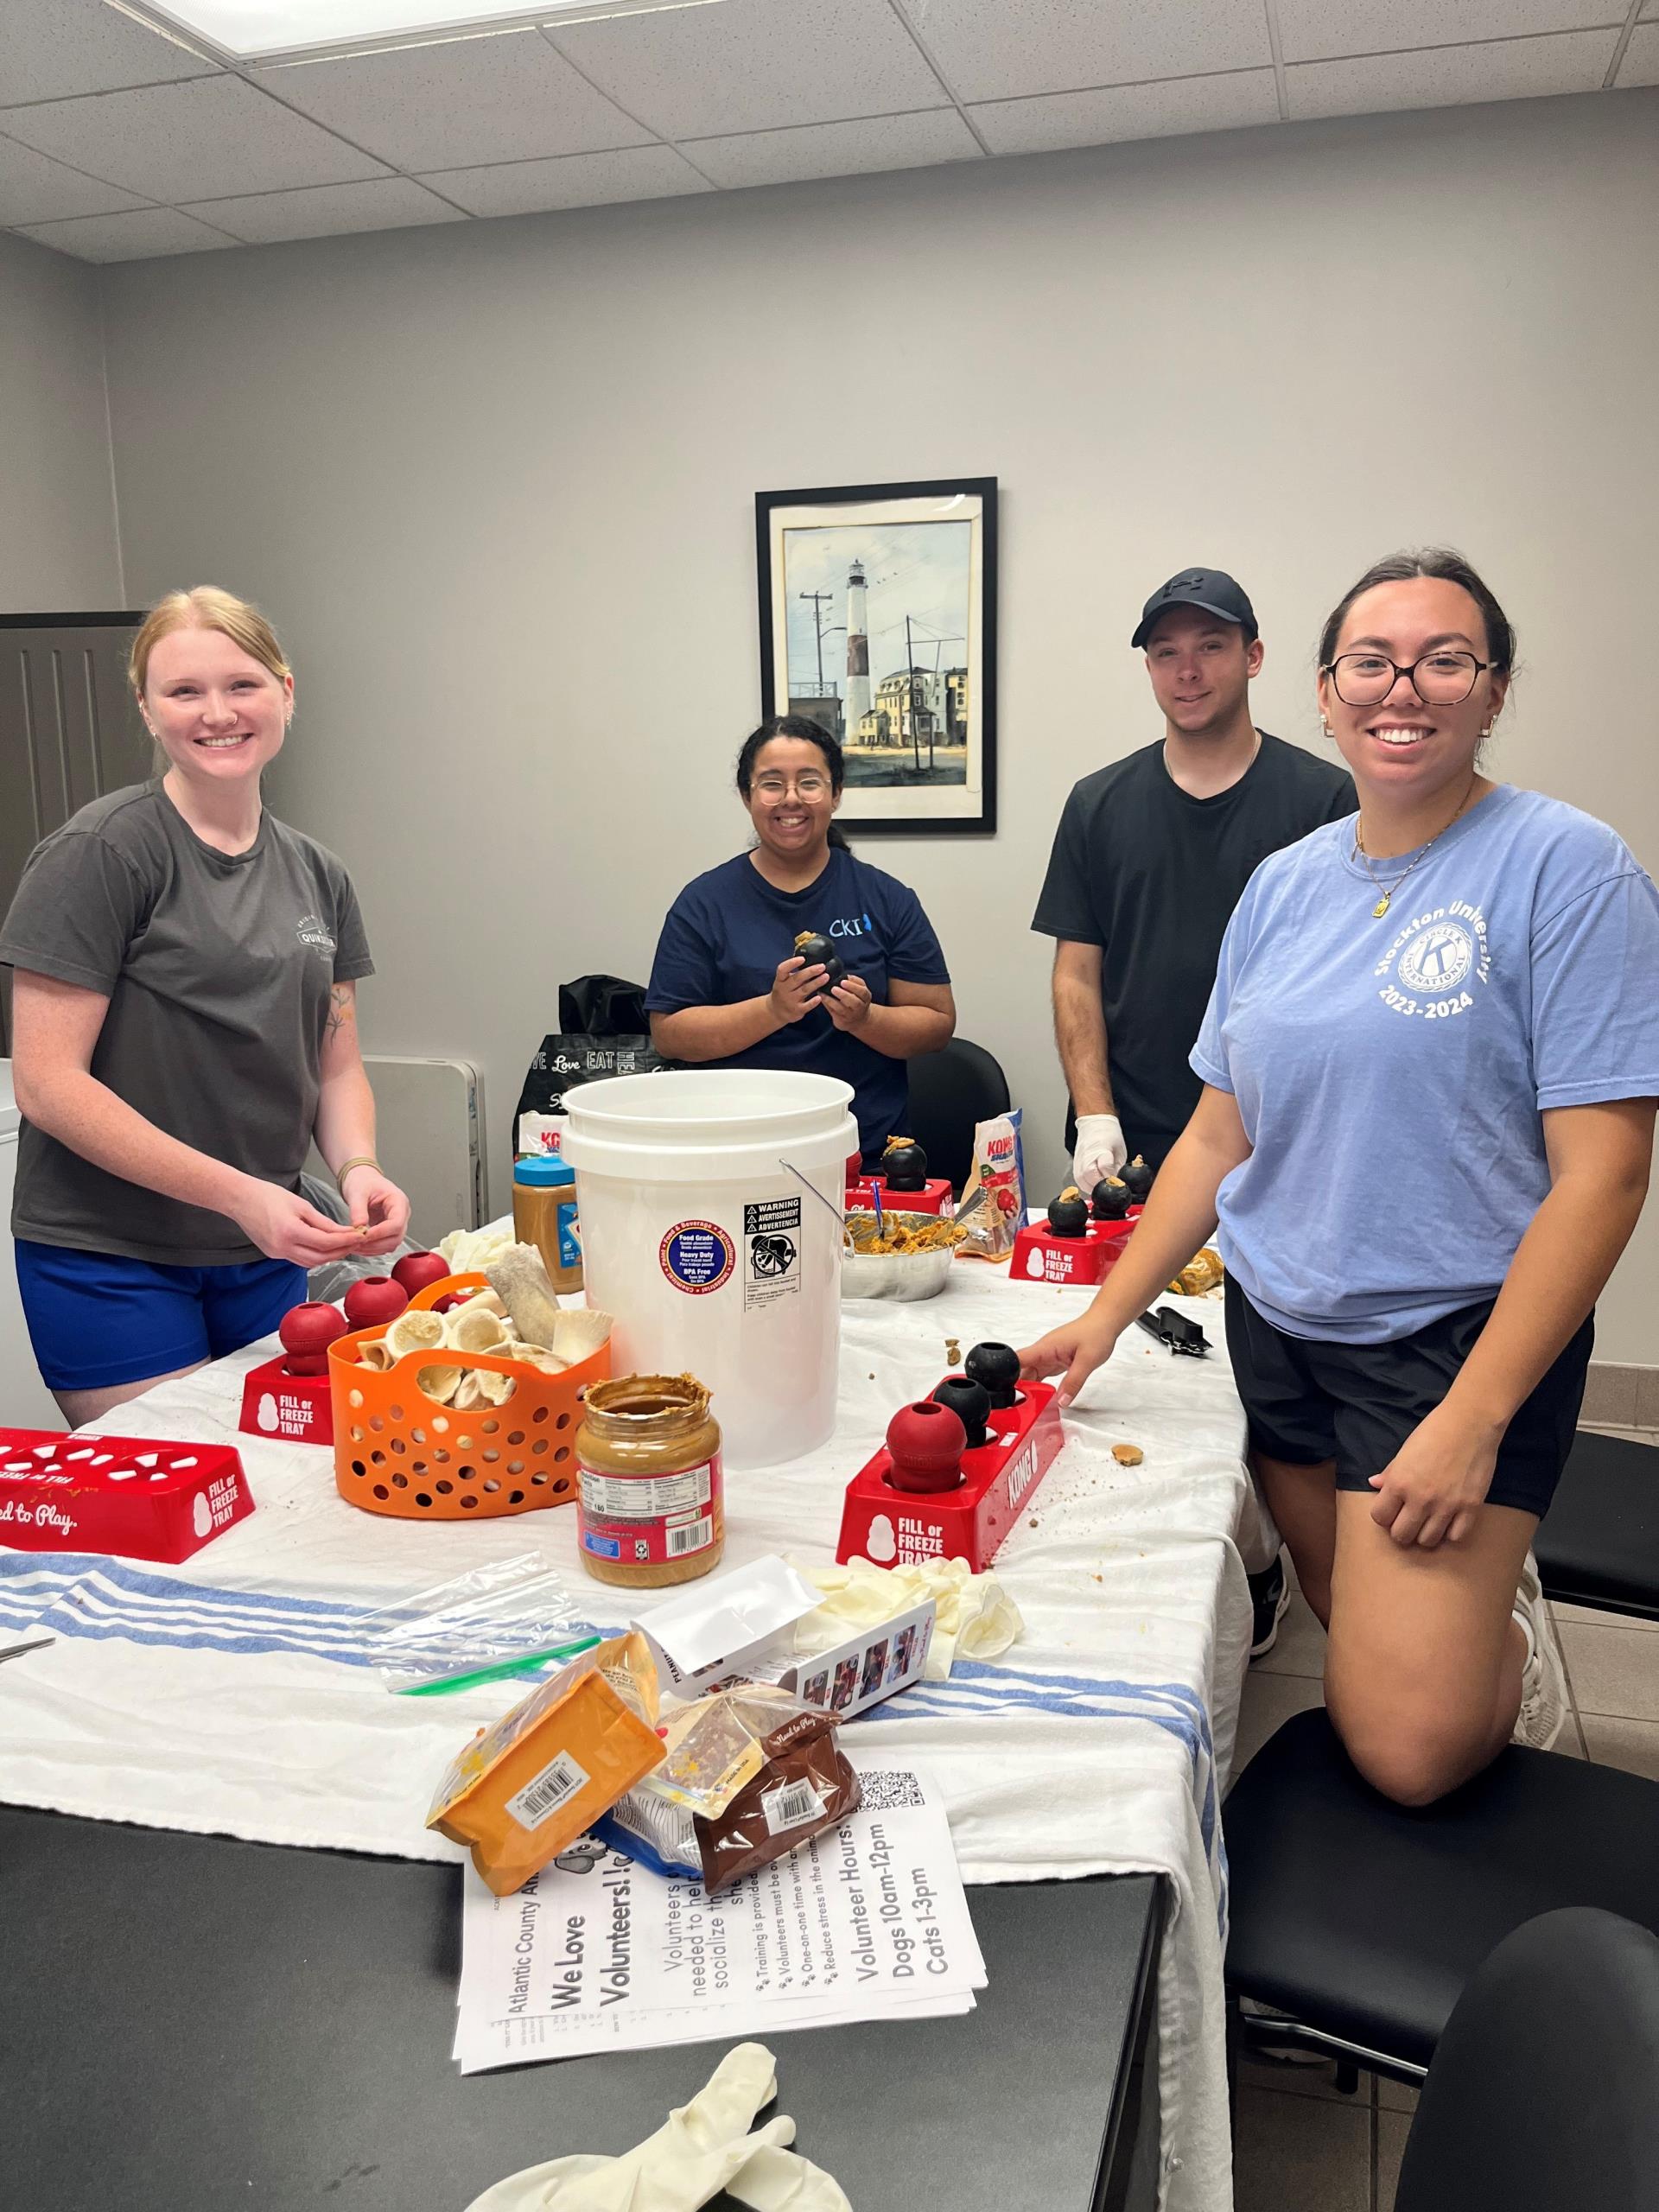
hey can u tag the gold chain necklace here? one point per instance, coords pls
(1388, 890)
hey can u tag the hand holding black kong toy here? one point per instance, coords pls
(997, 1366)
(904, 1165)
(818, 952)
(970, 1402)
(1110, 1200)
(1067, 1215)
(1137, 1179)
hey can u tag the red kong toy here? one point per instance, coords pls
(416, 1271)
(925, 1443)
(307, 1331)
(375, 1299)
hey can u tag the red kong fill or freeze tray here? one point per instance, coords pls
(293, 1408)
(935, 1195)
(898, 1528)
(1041, 1256)
(137, 1495)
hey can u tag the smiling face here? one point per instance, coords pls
(790, 799)
(1406, 747)
(217, 713)
(1201, 667)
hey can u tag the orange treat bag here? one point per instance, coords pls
(537, 1778)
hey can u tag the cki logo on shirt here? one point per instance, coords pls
(861, 925)
(1433, 957)
(312, 929)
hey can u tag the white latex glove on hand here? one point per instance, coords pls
(702, 2147)
(1099, 1151)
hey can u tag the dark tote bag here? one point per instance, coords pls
(603, 1031)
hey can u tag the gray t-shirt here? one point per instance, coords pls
(218, 969)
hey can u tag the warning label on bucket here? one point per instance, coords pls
(696, 1256)
(771, 1237)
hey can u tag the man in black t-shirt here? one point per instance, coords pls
(1150, 860)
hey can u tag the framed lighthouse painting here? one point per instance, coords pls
(878, 619)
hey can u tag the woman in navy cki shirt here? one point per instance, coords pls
(727, 987)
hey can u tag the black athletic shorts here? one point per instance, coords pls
(1308, 1400)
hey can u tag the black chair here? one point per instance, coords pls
(949, 1091)
(1542, 2095)
(1362, 1920)
(1599, 1545)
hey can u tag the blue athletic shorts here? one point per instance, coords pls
(95, 1319)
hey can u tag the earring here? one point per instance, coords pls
(1326, 727)
(1487, 731)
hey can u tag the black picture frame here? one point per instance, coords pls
(910, 706)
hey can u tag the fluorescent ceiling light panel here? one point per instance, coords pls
(266, 30)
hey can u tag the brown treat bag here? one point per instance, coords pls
(805, 1787)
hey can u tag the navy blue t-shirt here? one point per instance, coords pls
(728, 930)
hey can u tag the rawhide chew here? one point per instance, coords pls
(520, 1278)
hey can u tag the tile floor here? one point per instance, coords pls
(1300, 2147)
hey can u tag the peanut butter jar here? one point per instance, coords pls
(651, 1510)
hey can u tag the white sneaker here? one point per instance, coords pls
(1543, 1679)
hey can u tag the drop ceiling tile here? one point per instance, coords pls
(573, 181)
(1517, 69)
(510, 98)
(53, 49)
(997, 51)
(36, 190)
(321, 211)
(1315, 30)
(140, 236)
(751, 65)
(190, 142)
(816, 149)
(1055, 119)
(1641, 62)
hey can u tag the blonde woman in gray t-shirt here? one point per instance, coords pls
(184, 1024)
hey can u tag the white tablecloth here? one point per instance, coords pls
(231, 1694)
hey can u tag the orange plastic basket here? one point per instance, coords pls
(400, 1453)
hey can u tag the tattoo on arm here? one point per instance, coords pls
(340, 1009)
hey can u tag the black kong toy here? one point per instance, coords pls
(1067, 1215)
(970, 1402)
(997, 1366)
(1110, 1201)
(818, 952)
(1137, 1179)
(904, 1165)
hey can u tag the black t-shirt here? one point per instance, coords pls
(1151, 874)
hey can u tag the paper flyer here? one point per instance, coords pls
(868, 1920)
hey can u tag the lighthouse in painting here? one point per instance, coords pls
(858, 655)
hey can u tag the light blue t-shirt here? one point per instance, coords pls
(1390, 1074)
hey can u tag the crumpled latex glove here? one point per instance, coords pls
(1099, 1151)
(701, 2148)
(782, 2180)
(974, 1614)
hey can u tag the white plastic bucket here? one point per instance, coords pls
(714, 1259)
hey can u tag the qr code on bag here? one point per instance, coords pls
(885, 1788)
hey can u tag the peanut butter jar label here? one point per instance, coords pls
(650, 1520)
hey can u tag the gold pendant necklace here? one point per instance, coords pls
(1388, 890)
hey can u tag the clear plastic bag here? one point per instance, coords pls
(514, 1618)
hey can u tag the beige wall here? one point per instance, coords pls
(495, 483)
(58, 550)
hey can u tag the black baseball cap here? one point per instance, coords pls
(1212, 589)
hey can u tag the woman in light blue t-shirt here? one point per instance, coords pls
(1431, 1064)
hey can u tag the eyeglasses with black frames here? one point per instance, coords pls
(1440, 679)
